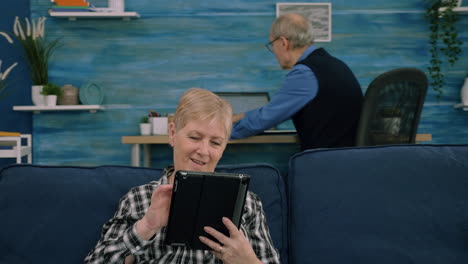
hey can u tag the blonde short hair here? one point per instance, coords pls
(201, 104)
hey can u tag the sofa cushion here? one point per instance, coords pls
(57, 213)
(389, 204)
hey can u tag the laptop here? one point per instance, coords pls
(242, 102)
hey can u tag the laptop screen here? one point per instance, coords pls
(242, 102)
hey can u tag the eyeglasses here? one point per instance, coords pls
(269, 45)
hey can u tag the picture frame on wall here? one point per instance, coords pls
(319, 14)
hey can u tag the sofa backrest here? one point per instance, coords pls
(267, 183)
(56, 214)
(389, 204)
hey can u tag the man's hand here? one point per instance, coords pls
(237, 117)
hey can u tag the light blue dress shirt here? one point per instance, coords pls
(299, 88)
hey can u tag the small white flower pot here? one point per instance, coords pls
(36, 96)
(51, 100)
(159, 125)
(464, 92)
(145, 129)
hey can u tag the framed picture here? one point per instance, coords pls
(318, 13)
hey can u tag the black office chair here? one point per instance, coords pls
(392, 107)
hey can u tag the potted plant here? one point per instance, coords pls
(145, 126)
(159, 123)
(31, 35)
(464, 91)
(3, 76)
(51, 91)
(442, 20)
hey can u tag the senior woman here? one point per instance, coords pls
(198, 136)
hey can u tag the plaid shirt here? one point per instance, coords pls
(119, 238)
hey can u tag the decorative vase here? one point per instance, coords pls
(116, 5)
(159, 125)
(36, 96)
(91, 94)
(69, 95)
(145, 129)
(464, 93)
(51, 100)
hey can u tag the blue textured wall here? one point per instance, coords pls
(19, 93)
(149, 62)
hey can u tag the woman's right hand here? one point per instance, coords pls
(157, 214)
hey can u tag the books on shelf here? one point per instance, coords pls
(69, 10)
(9, 134)
(82, 3)
(83, 8)
(70, 6)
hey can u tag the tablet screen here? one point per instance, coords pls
(201, 199)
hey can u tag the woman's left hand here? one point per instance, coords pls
(233, 249)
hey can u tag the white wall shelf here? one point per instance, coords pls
(39, 108)
(460, 105)
(74, 15)
(463, 10)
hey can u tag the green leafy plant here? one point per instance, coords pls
(153, 113)
(144, 119)
(3, 91)
(443, 39)
(51, 89)
(3, 83)
(38, 51)
(4, 75)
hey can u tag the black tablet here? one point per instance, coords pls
(201, 199)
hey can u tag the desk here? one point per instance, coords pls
(146, 141)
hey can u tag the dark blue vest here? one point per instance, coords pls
(330, 120)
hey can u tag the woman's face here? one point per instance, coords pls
(199, 145)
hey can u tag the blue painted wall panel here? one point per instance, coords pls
(149, 62)
(19, 91)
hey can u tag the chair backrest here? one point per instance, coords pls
(392, 107)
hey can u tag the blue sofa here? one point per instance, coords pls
(389, 204)
(57, 213)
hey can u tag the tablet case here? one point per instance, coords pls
(201, 199)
